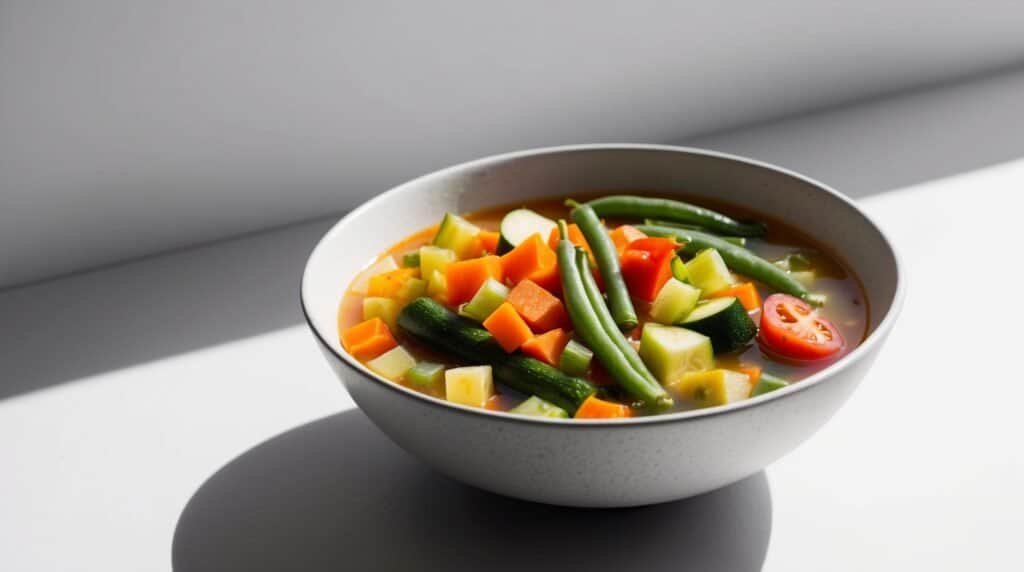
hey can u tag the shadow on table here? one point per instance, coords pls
(336, 494)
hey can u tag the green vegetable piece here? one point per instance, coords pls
(435, 258)
(674, 302)
(679, 271)
(411, 260)
(392, 364)
(426, 374)
(486, 300)
(708, 272)
(737, 240)
(725, 321)
(626, 206)
(671, 352)
(384, 308)
(766, 384)
(456, 234)
(619, 303)
(575, 359)
(520, 224)
(711, 388)
(537, 407)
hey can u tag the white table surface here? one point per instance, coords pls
(124, 390)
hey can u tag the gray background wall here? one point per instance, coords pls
(129, 127)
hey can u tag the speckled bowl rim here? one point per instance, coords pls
(876, 336)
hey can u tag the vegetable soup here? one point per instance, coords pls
(620, 306)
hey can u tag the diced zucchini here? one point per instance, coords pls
(518, 225)
(437, 286)
(575, 359)
(674, 301)
(486, 300)
(767, 384)
(384, 308)
(426, 374)
(679, 271)
(362, 282)
(392, 364)
(669, 352)
(435, 258)
(471, 386)
(537, 407)
(725, 321)
(708, 272)
(457, 234)
(715, 387)
(411, 260)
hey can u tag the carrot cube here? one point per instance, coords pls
(746, 293)
(389, 284)
(540, 308)
(594, 408)
(547, 347)
(575, 236)
(623, 235)
(367, 340)
(531, 258)
(465, 277)
(489, 240)
(508, 328)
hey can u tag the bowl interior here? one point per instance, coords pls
(505, 180)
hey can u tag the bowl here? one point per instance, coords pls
(602, 463)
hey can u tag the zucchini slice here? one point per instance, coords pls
(457, 234)
(725, 321)
(537, 407)
(518, 225)
(708, 272)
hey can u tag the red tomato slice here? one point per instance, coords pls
(793, 329)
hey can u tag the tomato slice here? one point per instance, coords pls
(793, 329)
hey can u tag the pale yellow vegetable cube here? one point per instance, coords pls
(714, 387)
(384, 308)
(471, 386)
(392, 364)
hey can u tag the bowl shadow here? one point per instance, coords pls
(336, 494)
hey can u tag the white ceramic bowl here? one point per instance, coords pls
(602, 463)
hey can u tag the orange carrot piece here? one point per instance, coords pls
(489, 240)
(465, 277)
(546, 347)
(508, 328)
(531, 257)
(540, 308)
(594, 408)
(367, 340)
(746, 293)
(575, 236)
(752, 371)
(623, 235)
(389, 284)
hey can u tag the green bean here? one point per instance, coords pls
(737, 240)
(619, 303)
(736, 257)
(589, 329)
(626, 206)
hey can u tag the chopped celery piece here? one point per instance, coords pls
(384, 308)
(669, 352)
(715, 387)
(486, 300)
(434, 258)
(437, 286)
(411, 260)
(708, 272)
(457, 234)
(426, 374)
(679, 271)
(392, 364)
(537, 407)
(575, 359)
(767, 384)
(362, 282)
(674, 301)
(471, 386)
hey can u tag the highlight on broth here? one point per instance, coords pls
(617, 307)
